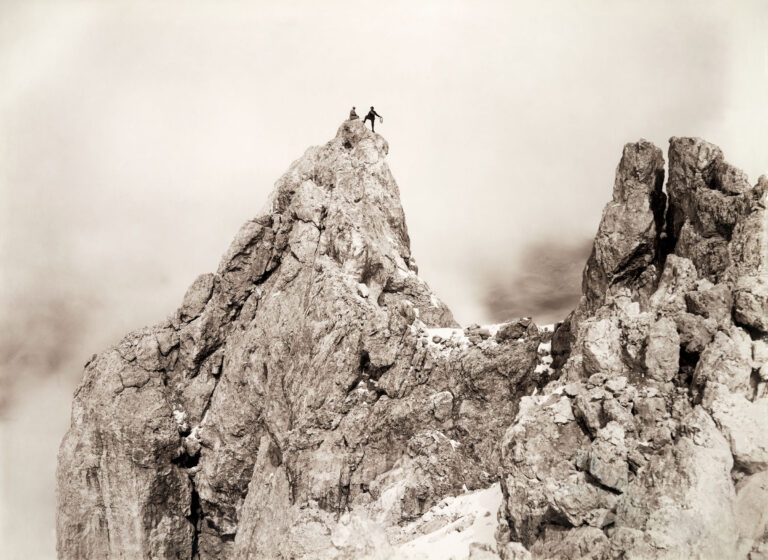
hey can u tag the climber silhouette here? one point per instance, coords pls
(371, 116)
(353, 115)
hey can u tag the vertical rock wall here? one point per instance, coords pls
(652, 443)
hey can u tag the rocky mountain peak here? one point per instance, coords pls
(314, 376)
(338, 202)
(313, 398)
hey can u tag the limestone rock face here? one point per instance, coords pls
(651, 441)
(626, 248)
(306, 399)
(313, 398)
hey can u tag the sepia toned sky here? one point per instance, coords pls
(136, 137)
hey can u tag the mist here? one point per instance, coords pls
(136, 137)
(543, 283)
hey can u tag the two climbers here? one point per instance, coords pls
(371, 116)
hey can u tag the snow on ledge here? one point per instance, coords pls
(449, 528)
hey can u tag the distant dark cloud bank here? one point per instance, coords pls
(543, 283)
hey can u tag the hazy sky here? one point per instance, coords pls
(136, 137)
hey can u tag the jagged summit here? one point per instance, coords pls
(651, 442)
(313, 375)
(314, 399)
(339, 202)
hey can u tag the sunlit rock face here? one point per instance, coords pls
(305, 401)
(651, 442)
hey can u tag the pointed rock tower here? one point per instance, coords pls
(652, 443)
(306, 398)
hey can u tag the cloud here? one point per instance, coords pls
(41, 335)
(545, 283)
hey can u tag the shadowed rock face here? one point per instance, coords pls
(305, 398)
(626, 252)
(652, 441)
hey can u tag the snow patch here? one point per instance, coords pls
(180, 416)
(362, 290)
(493, 329)
(545, 358)
(448, 529)
(543, 368)
(454, 336)
(181, 419)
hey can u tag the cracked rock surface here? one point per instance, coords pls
(306, 399)
(651, 442)
(314, 399)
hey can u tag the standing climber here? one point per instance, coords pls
(353, 115)
(371, 116)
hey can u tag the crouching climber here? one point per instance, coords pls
(353, 115)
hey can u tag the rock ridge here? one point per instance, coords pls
(313, 398)
(310, 391)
